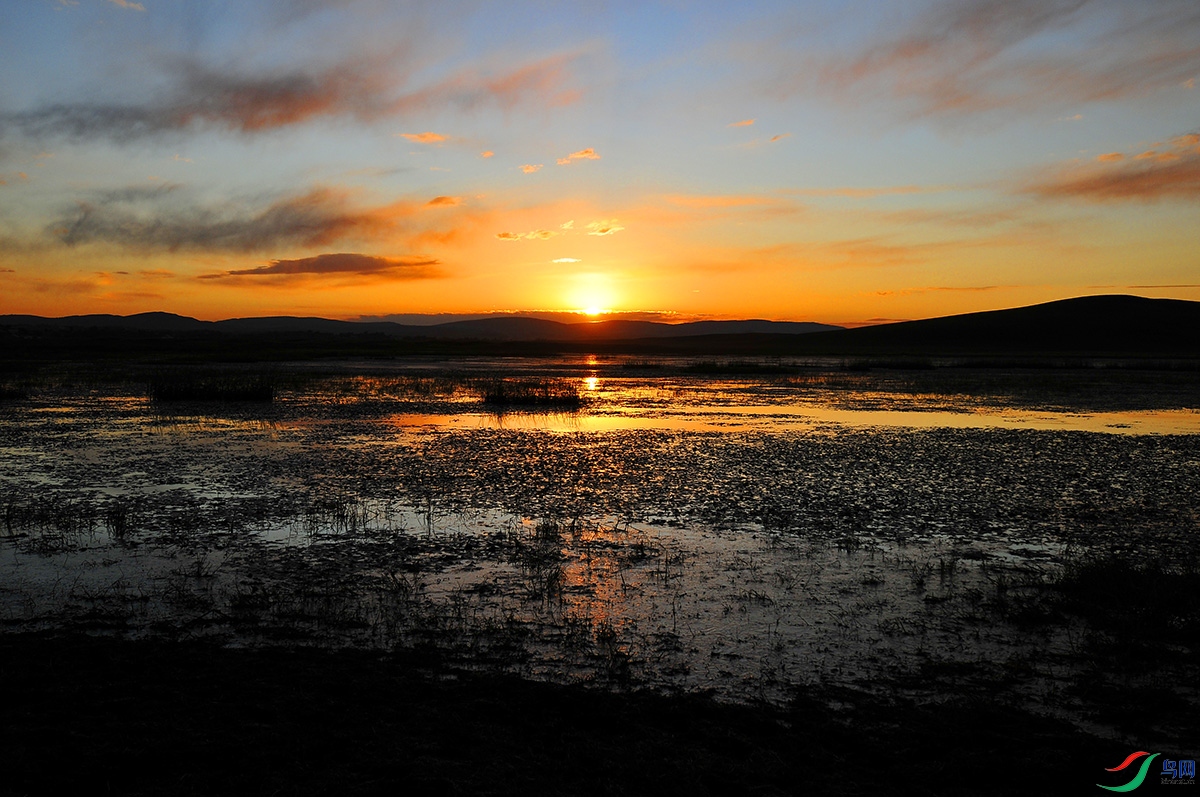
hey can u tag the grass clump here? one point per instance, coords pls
(1151, 598)
(537, 393)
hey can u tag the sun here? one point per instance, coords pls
(592, 294)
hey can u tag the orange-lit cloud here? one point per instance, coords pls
(128, 5)
(530, 168)
(367, 87)
(743, 123)
(534, 235)
(946, 289)
(401, 268)
(963, 57)
(868, 193)
(566, 260)
(151, 219)
(779, 137)
(444, 201)
(706, 201)
(604, 227)
(1149, 175)
(583, 154)
(423, 138)
(487, 153)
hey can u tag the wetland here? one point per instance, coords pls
(818, 546)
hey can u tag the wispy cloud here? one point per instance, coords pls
(487, 153)
(743, 123)
(964, 57)
(391, 268)
(779, 137)
(1151, 175)
(423, 138)
(946, 289)
(709, 201)
(533, 235)
(868, 193)
(530, 168)
(604, 227)
(566, 260)
(583, 154)
(444, 201)
(153, 219)
(368, 88)
(128, 5)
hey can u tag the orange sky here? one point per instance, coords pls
(775, 160)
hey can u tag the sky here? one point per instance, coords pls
(810, 160)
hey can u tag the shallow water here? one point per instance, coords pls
(740, 535)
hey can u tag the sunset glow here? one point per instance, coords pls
(822, 161)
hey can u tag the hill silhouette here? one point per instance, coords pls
(1090, 325)
(1084, 325)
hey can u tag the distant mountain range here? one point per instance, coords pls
(511, 328)
(1090, 325)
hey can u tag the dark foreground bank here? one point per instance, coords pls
(88, 715)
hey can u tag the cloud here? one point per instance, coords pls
(704, 201)
(1148, 176)
(583, 154)
(8, 271)
(423, 138)
(605, 227)
(779, 137)
(743, 123)
(1156, 155)
(534, 235)
(566, 260)
(530, 168)
(868, 193)
(156, 218)
(487, 153)
(128, 5)
(569, 224)
(393, 268)
(544, 80)
(368, 88)
(444, 201)
(946, 289)
(966, 57)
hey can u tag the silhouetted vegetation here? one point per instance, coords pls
(537, 393)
